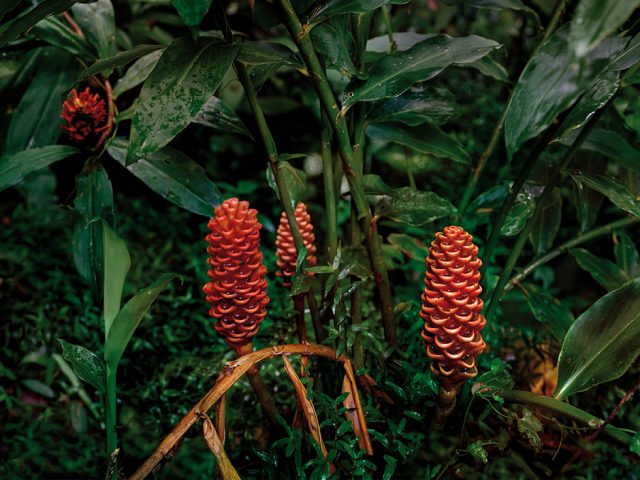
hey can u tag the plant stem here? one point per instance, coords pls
(260, 389)
(474, 177)
(329, 191)
(330, 106)
(565, 409)
(446, 404)
(585, 237)
(516, 250)
(231, 373)
(387, 24)
(111, 417)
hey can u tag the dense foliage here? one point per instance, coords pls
(126, 122)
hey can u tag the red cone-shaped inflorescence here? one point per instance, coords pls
(286, 250)
(237, 291)
(85, 114)
(451, 307)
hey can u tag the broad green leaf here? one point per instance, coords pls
(594, 20)
(97, 21)
(530, 427)
(603, 271)
(521, 211)
(116, 266)
(415, 107)
(220, 116)
(593, 100)
(587, 203)
(396, 72)
(618, 194)
(32, 16)
(412, 207)
(429, 140)
(403, 41)
(492, 198)
(613, 145)
(185, 78)
(295, 179)
(36, 122)
(491, 68)
(6, 6)
(192, 11)
(374, 185)
(626, 254)
(549, 311)
(602, 343)
(490, 4)
(129, 318)
(106, 65)
(550, 83)
(87, 365)
(13, 168)
(59, 34)
(94, 201)
(334, 41)
(329, 8)
(628, 57)
(256, 53)
(410, 246)
(635, 444)
(546, 224)
(174, 176)
(137, 72)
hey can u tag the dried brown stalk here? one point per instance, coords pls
(215, 445)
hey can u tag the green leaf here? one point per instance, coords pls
(13, 168)
(587, 203)
(97, 21)
(618, 194)
(220, 116)
(613, 145)
(415, 107)
(129, 318)
(192, 11)
(329, 8)
(185, 78)
(93, 201)
(106, 65)
(295, 179)
(36, 122)
(497, 378)
(489, 4)
(32, 16)
(116, 266)
(59, 34)
(628, 57)
(595, 20)
(410, 246)
(389, 468)
(477, 451)
(137, 73)
(549, 311)
(550, 83)
(374, 185)
(256, 53)
(396, 72)
(603, 271)
(602, 343)
(635, 444)
(333, 40)
(491, 68)
(627, 255)
(521, 211)
(173, 176)
(412, 207)
(430, 140)
(547, 223)
(87, 365)
(530, 427)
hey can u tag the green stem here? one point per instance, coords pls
(111, 418)
(585, 237)
(329, 191)
(330, 106)
(410, 177)
(387, 24)
(562, 408)
(516, 250)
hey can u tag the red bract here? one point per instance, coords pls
(85, 115)
(285, 248)
(451, 307)
(237, 291)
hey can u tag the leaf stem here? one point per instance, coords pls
(111, 417)
(329, 104)
(329, 191)
(585, 237)
(387, 23)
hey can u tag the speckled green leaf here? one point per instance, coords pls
(185, 78)
(412, 207)
(14, 168)
(106, 65)
(192, 11)
(137, 73)
(614, 191)
(220, 116)
(603, 271)
(396, 72)
(549, 311)
(551, 82)
(602, 343)
(328, 8)
(415, 106)
(594, 20)
(430, 140)
(97, 21)
(256, 53)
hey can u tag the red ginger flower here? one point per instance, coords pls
(451, 307)
(85, 115)
(237, 291)
(286, 250)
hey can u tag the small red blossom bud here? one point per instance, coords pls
(86, 116)
(451, 307)
(285, 248)
(237, 291)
